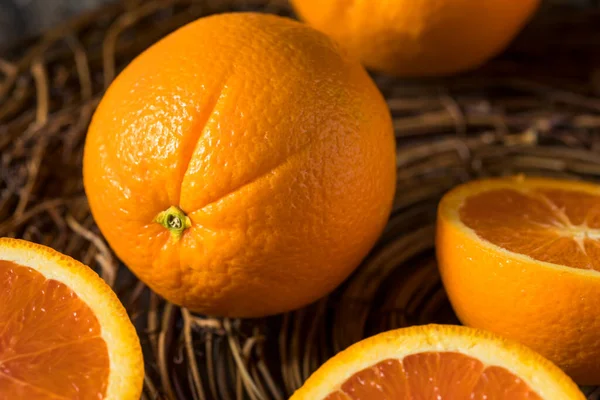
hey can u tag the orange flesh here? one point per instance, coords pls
(556, 226)
(432, 376)
(50, 341)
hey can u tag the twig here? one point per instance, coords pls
(187, 328)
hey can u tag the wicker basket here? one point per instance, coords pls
(536, 110)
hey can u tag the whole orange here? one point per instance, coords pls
(242, 166)
(419, 37)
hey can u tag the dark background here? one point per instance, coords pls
(23, 18)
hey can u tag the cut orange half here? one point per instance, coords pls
(63, 332)
(437, 362)
(521, 257)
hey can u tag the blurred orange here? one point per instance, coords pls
(419, 37)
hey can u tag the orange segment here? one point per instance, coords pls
(521, 257)
(437, 362)
(46, 330)
(555, 226)
(434, 375)
(502, 384)
(431, 375)
(385, 379)
(62, 331)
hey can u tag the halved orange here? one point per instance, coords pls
(437, 362)
(521, 257)
(63, 332)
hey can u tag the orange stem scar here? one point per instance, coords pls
(175, 220)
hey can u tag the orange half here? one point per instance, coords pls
(521, 257)
(63, 332)
(437, 362)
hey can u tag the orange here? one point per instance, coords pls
(521, 257)
(63, 332)
(438, 362)
(242, 166)
(419, 37)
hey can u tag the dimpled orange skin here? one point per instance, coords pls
(419, 37)
(275, 143)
